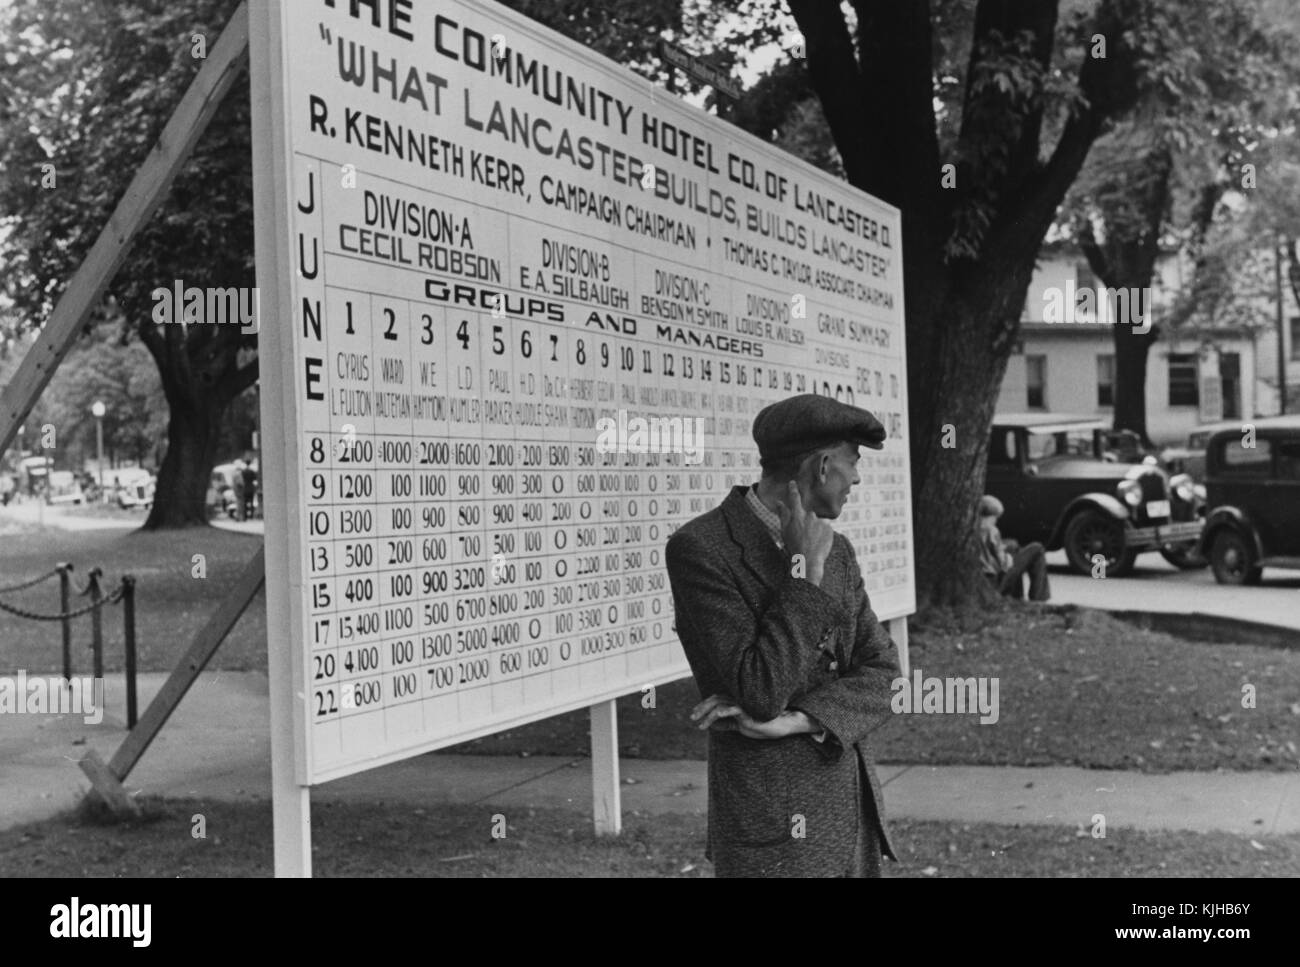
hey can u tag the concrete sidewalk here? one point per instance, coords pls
(217, 746)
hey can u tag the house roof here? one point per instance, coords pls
(1049, 422)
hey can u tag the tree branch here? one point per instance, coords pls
(999, 23)
(1109, 86)
(833, 71)
(1097, 260)
(239, 380)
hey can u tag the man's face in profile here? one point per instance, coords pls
(826, 498)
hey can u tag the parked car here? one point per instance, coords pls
(222, 489)
(1057, 486)
(1254, 499)
(64, 488)
(1190, 458)
(1124, 446)
(137, 492)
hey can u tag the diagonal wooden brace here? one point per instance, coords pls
(106, 780)
(142, 198)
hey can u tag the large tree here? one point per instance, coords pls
(1153, 185)
(86, 89)
(1020, 136)
(1013, 94)
(1234, 281)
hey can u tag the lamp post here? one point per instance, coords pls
(98, 410)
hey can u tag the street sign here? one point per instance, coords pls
(701, 70)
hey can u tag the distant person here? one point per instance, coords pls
(237, 488)
(250, 489)
(1006, 562)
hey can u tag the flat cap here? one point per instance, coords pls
(802, 423)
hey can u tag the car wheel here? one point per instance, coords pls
(1184, 557)
(1090, 533)
(1233, 560)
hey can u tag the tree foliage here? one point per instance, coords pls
(86, 89)
(1013, 95)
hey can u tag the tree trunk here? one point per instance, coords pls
(200, 377)
(953, 400)
(968, 251)
(1126, 260)
(1131, 351)
(180, 499)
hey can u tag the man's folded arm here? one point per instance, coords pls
(761, 665)
(858, 702)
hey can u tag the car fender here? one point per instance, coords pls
(1104, 503)
(1228, 517)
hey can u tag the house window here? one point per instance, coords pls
(1105, 379)
(1183, 387)
(1036, 381)
(1295, 337)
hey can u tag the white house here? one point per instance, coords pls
(1067, 365)
(1267, 354)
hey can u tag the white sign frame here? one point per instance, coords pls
(285, 507)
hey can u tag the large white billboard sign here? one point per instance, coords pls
(525, 309)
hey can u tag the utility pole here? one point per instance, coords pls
(1281, 329)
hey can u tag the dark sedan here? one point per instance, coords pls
(1253, 486)
(1058, 488)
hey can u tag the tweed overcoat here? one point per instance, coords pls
(772, 641)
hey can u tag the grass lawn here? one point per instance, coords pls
(171, 604)
(1076, 687)
(371, 839)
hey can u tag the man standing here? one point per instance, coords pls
(793, 666)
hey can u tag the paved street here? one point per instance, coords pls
(66, 517)
(1160, 587)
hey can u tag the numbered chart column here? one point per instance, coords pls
(395, 517)
(549, 511)
(434, 486)
(355, 524)
(508, 352)
(468, 333)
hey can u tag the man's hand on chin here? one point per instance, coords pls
(721, 713)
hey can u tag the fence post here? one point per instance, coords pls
(65, 598)
(96, 621)
(128, 632)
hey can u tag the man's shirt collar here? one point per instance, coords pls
(768, 519)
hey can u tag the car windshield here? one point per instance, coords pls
(1065, 443)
